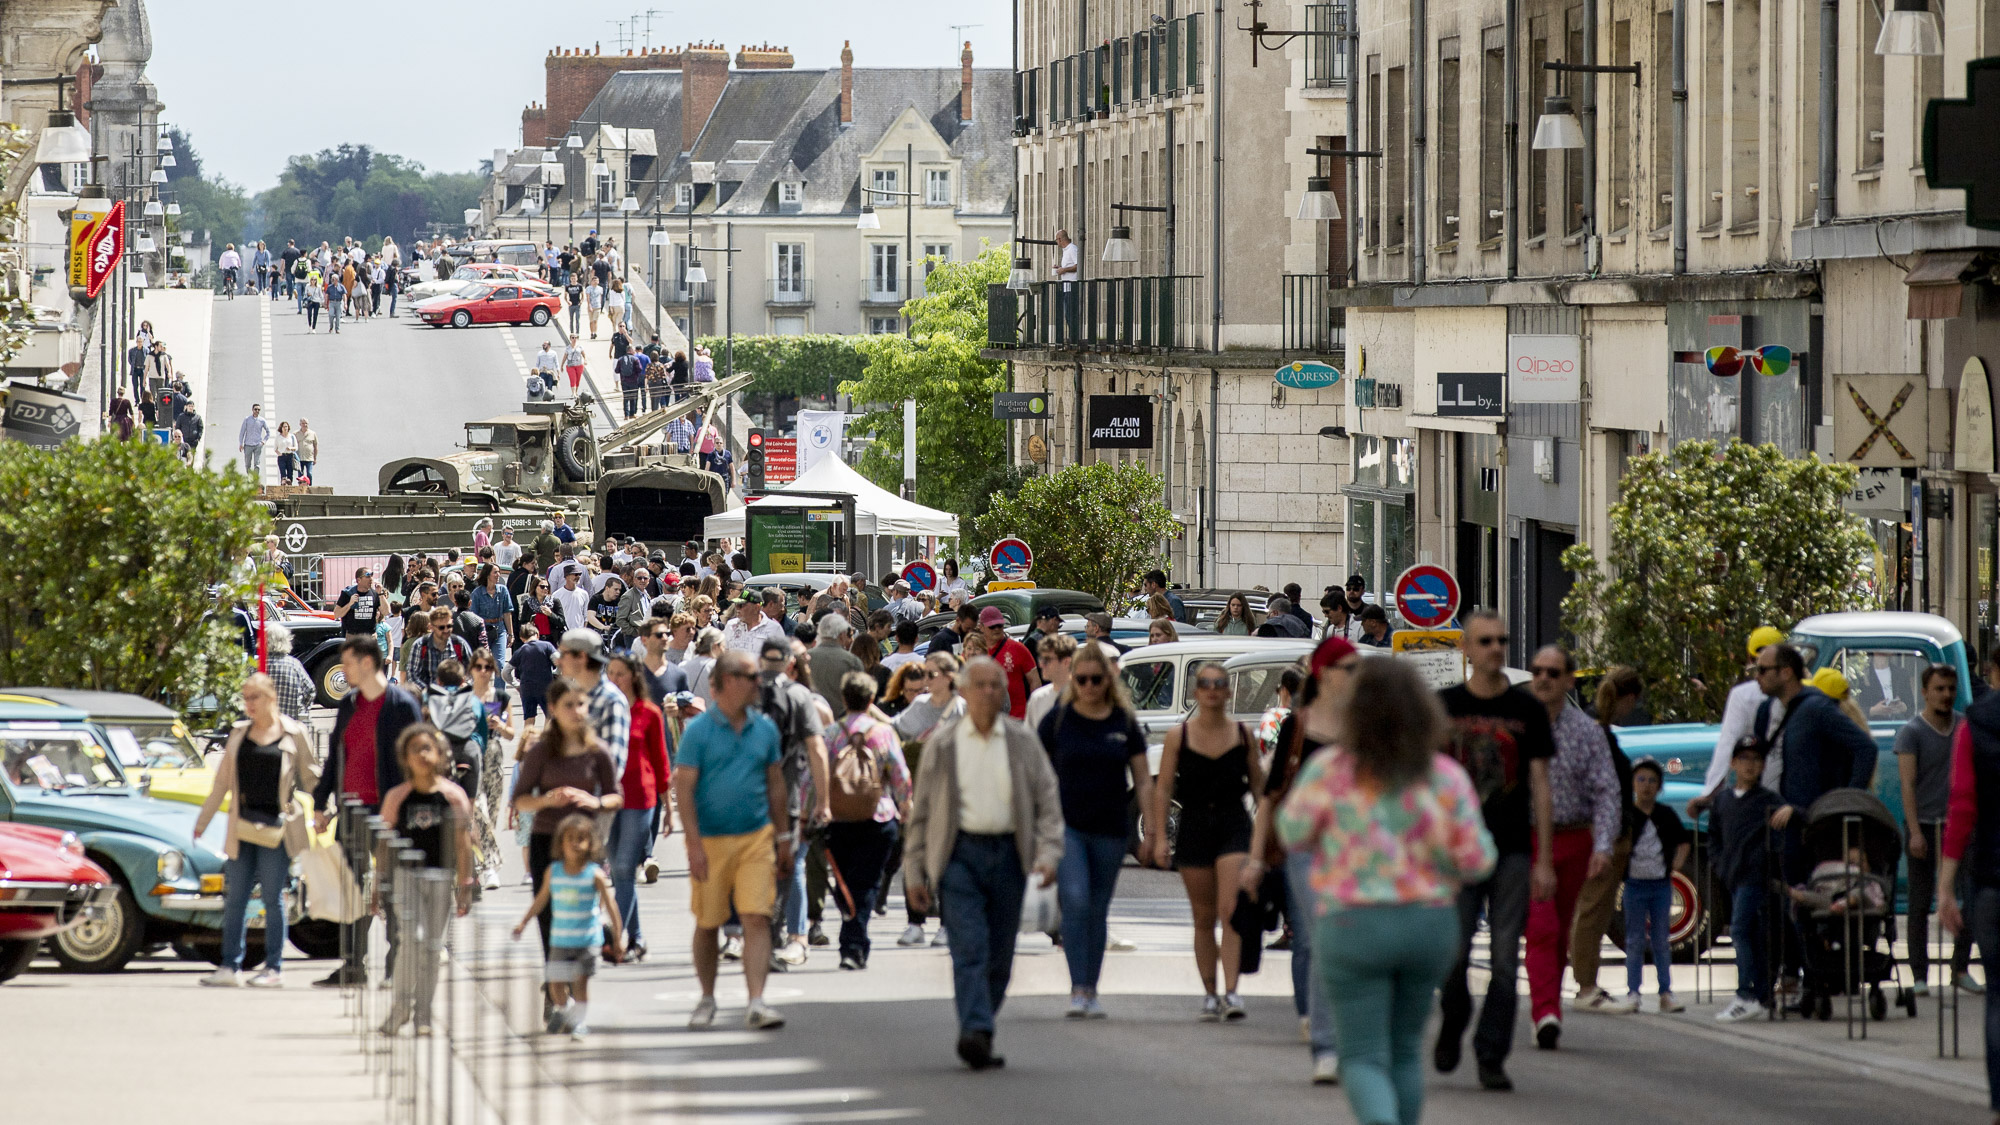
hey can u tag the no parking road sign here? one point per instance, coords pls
(1427, 596)
(920, 575)
(1012, 559)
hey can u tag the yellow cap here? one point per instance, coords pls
(1830, 683)
(1763, 636)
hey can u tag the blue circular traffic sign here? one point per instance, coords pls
(920, 575)
(1012, 559)
(1427, 596)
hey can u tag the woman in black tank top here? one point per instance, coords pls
(1207, 766)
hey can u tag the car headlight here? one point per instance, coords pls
(71, 844)
(171, 866)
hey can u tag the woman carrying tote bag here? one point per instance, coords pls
(267, 759)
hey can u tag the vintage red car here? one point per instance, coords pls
(485, 303)
(46, 886)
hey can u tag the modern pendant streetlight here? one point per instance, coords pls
(1558, 127)
(1909, 28)
(1318, 204)
(1119, 248)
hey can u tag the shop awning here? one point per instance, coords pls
(1936, 291)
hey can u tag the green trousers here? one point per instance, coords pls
(1381, 966)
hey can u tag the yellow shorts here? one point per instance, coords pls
(741, 869)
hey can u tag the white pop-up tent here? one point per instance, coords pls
(877, 511)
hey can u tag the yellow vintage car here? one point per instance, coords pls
(156, 749)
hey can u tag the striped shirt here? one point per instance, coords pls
(577, 921)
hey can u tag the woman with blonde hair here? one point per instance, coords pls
(1162, 631)
(267, 760)
(1095, 743)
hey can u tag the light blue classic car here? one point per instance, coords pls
(58, 770)
(1882, 655)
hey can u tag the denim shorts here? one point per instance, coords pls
(568, 964)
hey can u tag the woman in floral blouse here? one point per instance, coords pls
(1394, 829)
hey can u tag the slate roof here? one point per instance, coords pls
(771, 125)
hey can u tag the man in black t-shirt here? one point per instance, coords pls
(1500, 734)
(360, 605)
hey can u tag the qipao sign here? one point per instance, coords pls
(1545, 368)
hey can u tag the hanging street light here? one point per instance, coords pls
(1119, 248)
(1022, 276)
(1909, 28)
(868, 219)
(1558, 127)
(1318, 204)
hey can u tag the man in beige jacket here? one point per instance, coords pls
(986, 812)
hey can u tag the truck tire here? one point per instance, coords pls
(102, 944)
(15, 957)
(576, 452)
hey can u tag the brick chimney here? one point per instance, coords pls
(965, 83)
(847, 82)
(574, 76)
(534, 125)
(765, 57)
(704, 73)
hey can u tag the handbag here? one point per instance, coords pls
(263, 835)
(1041, 910)
(332, 894)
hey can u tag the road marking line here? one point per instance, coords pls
(270, 388)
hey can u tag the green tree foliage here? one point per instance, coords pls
(961, 447)
(1094, 527)
(793, 365)
(354, 191)
(17, 319)
(1706, 545)
(208, 204)
(113, 551)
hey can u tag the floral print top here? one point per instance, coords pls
(1416, 845)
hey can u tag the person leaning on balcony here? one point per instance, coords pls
(1069, 264)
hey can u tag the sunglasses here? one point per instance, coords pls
(1545, 671)
(1211, 685)
(1485, 642)
(1091, 680)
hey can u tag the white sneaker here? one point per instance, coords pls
(938, 940)
(1092, 1010)
(704, 1013)
(221, 978)
(913, 934)
(1079, 1008)
(762, 1017)
(267, 978)
(1211, 1008)
(1623, 1007)
(1589, 999)
(1232, 1008)
(652, 870)
(1739, 1010)
(1117, 944)
(1326, 1070)
(794, 953)
(732, 949)
(1668, 1004)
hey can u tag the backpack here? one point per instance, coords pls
(457, 715)
(857, 785)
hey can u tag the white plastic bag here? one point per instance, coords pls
(1041, 913)
(332, 895)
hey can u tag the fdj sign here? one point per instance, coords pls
(1472, 394)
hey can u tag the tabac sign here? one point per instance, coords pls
(96, 239)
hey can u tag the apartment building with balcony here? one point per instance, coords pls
(1698, 210)
(781, 165)
(1142, 130)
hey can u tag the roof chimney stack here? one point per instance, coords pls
(847, 82)
(965, 83)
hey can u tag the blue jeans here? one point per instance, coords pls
(1504, 899)
(790, 918)
(1085, 881)
(392, 302)
(1748, 933)
(1384, 962)
(333, 310)
(1309, 995)
(979, 899)
(1648, 917)
(1983, 914)
(629, 829)
(270, 868)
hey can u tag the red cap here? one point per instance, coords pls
(1334, 649)
(991, 615)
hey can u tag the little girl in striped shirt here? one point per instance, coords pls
(578, 894)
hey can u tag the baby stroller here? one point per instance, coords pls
(1847, 907)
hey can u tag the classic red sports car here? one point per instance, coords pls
(483, 303)
(46, 885)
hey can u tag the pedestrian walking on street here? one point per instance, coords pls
(1618, 695)
(1660, 846)
(730, 788)
(1208, 763)
(573, 363)
(336, 301)
(593, 299)
(267, 758)
(1094, 743)
(987, 812)
(251, 437)
(1301, 735)
(1394, 831)
(288, 454)
(569, 771)
(573, 905)
(434, 815)
(1742, 830)
(1589, 817)
(1923, 765)
(869, 801)
(1500, 734)
(315, 295)
(361, 764)
(644, 783)
(496, 727)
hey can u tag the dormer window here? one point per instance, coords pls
(789, 191)
(684, 196)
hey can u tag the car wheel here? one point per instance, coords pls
(104, 942)
(15, 957)
(540, 316)
(329, 682)
(315, 937)
(461, 319)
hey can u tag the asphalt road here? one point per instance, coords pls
(379, 390)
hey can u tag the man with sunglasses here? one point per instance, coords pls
(1500, 734)
(1739, 711)
(1585, 806)
(1822, 749)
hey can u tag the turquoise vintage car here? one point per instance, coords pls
(1882, 654)
(58, 770)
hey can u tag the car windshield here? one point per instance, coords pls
(153, 746)
(1151, 683)
(467, 273)
(55, 758)
(474, 291)
(1256, 688)
(1884, 682)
